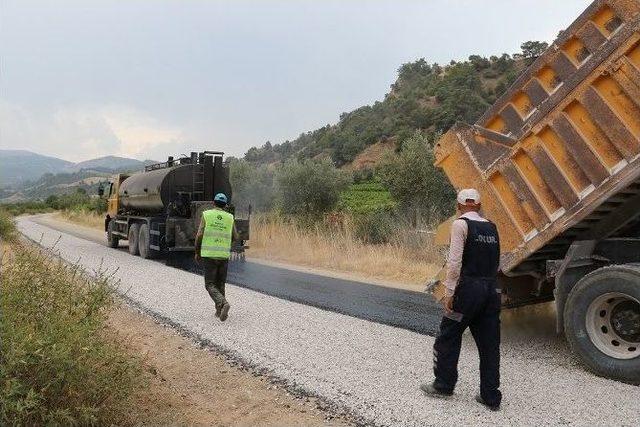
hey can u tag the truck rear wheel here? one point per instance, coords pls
(112, 240)
(602, 322)
(134, 231)
(144, 240)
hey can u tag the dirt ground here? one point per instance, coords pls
(187, 385)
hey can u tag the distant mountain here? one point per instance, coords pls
(111, 163)
(17, 166)
(60, 183)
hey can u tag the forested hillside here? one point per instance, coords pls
(427, 97)
(17, 166)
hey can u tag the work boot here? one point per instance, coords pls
(430, 390)
(218, 310)
(224, 311)
(479, 399)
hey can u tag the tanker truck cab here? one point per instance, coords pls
(110, 192)
(112, 195)
(158, 210)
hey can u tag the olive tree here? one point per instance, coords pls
(309, 187)
(420, 188)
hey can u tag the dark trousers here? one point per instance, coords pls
(479, 303)
(215, 276)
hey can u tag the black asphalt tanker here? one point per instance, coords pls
(158, 210)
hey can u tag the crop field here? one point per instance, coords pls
(366, 197)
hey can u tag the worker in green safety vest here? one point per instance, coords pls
(213, 248)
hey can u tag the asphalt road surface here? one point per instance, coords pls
(406, 309)
(414, 311)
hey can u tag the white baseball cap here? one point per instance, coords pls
(467, 194)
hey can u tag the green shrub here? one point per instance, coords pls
(98, 205)
(7, 226)
(56, 366)
(28, 207)
(78, 200)
(94, 204)
(376, 226)
(310, 188)
(363, 175)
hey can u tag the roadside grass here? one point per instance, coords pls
(7, 226)
(57, 366)
(26, 208)
(86, 217)
(409, 257)
(76, 201)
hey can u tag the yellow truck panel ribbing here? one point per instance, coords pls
(560, 149)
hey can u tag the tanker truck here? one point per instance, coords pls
(158, 211)
(557, 162)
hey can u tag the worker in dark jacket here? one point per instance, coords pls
(213, 248)
(471, 300)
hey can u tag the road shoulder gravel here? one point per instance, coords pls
(190, 385)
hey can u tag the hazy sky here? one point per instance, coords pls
(146, 79)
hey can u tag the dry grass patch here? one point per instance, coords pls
(82, 217)
(7, 227)
(409, 258)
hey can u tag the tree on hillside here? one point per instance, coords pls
(479, 62)
(310, 188)
(421, 189)
(412, 70)
(264, 154)
(532, 49)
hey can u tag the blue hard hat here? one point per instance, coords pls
(220, 197)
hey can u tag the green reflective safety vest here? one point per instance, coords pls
(218, 232)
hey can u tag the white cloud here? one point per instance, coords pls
(80, 133)
(140, 135)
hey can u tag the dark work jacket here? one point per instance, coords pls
(476, 291)
(481, 255)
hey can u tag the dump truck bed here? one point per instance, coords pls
(557, 157)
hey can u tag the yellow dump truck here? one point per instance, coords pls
(557, 162)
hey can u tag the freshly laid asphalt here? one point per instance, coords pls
(405, 309)
(414, 311)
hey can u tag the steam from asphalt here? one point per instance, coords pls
(532, 321)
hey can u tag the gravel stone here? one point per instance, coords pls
(369, 369)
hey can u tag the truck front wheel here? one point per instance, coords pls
(144, 242)
(112, 240)
(133, 238)
(602, 321)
